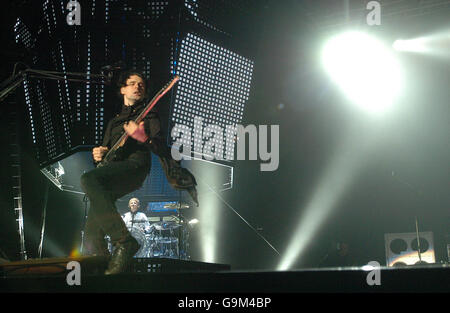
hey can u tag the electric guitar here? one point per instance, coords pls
(112, 153)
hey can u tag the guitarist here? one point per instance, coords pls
(126, 173)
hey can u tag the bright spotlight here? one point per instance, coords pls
(364, 69)
(413, 45)
(209, 209)
(340, 173)
(338, 176)
(436, 45)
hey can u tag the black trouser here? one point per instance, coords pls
(103, 186)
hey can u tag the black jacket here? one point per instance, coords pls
(178, 177)
(133, 149)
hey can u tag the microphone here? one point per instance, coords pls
(108, 70)
(111, 68)
(116, 66)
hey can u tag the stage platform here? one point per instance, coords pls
(175, 276)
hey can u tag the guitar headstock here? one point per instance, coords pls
(170, 83)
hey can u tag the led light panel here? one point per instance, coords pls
(214, 85)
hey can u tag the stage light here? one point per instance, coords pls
(212, 179)
(365, 70)
(208, 214)
(436, 45)
(369, 267)
(49, 245)
(414, 45)
(369, 75)
(340, 173)
(75, 253)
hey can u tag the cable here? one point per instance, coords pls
(229, 206)
(44, 214)
(85, 200)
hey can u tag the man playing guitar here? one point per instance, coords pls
(125, 173)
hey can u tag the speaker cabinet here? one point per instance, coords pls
(402, 248)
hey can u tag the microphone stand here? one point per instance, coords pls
(10, 84)
(418, 241)
(85, 200)
(415, 217)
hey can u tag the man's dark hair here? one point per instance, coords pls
(124, 76)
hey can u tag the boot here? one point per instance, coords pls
(96, 247)
(122, 256)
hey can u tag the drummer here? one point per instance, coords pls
(135, 218)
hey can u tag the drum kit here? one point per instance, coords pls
(166, 238)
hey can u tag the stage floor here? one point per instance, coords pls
(433, 278)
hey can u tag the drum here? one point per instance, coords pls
(141, 238)
(165, 247)
(162, 226)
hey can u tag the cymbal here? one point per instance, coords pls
(165, 225)
(166, 240)
(177, 206)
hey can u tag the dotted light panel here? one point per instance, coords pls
(193, 7)
(221, 15)
(139, 17)
(156, 184)
(142, 12)
(62, 115)
(214, 85)
(23, 34)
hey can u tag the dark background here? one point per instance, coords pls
(405, 175)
